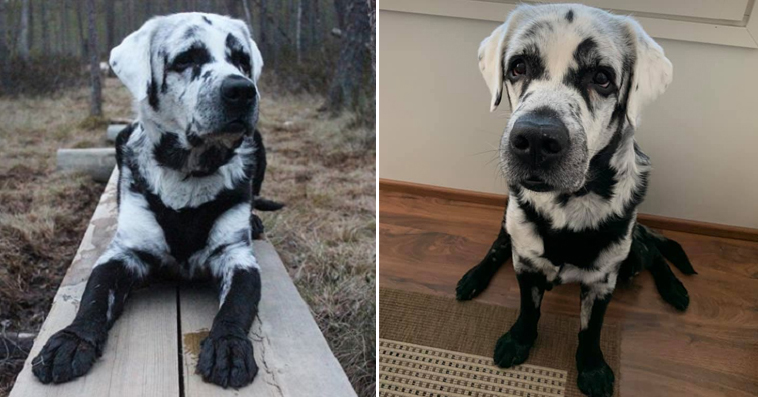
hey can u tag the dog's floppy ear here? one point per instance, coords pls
(255, 54)
(257, 60)
(653, 73)
(491, 53)
(130, 60)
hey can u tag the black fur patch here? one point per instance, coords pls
(570, 16)
(152, 94)
(187, 229)
(585, 55)
(208, 21)
(579, 248)
(169, 152)
(535, 64)
(237, 55)
(191, 32)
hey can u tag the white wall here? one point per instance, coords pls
(435, 127)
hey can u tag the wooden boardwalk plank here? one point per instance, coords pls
(292, 354)
(140, 357)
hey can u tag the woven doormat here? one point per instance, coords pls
(434, 346)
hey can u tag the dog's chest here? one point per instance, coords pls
(187, 229)
(557, 250)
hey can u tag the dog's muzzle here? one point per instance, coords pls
(538, 142)
(238, 96)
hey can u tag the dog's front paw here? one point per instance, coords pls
(510, 352)
(65, 356)
(227, 361)
(470, 285)
(596, 381)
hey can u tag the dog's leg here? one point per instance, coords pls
(226, 355)
(476, 280)
(595, 376)
(513, 347)
(71, 352)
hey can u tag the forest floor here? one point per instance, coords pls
(322, 168)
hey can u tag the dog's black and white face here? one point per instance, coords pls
(573, 76)
(198, 73)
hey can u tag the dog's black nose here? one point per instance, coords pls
(238, 92)
(539, 139)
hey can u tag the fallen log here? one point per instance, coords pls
(113, 131)
(96, 162)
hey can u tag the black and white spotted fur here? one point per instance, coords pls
(185, 191)
(576, 79)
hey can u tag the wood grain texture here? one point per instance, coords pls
(140, 355)
(498, 200)
(427, 243)
(292, 354)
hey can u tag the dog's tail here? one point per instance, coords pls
(674, 253)
(650, 250)
(262, 204)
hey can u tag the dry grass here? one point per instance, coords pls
(322, 168)
(43, 213)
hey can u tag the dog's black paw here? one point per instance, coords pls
(65, 356)
(675, 294)
(470, 285)
(596, 381)
(510, 352)
(227, 361)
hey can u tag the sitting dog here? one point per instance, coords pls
(185, 191)
(576, 79)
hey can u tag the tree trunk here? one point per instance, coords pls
(110, 24)
(263, 26)
(298, 28)
(45, 30)
(31, 25)
(63, 26)
(130, 18)
(350, 75)
(248, 17)
(148, 10)
(232, 8)
(5, 65)
(82, 39)
(23, 34)
(372, 19)
(96, 97)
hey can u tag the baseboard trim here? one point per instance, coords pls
(499, 200)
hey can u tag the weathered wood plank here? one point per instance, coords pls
(140, 358)
(292, 354)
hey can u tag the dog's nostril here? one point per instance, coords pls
(551, 146)
(520, 142)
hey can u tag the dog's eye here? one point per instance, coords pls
(601, 79)
(183, 61)
(192, 57)
(518, 68)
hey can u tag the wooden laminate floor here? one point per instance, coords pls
(426, 244)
